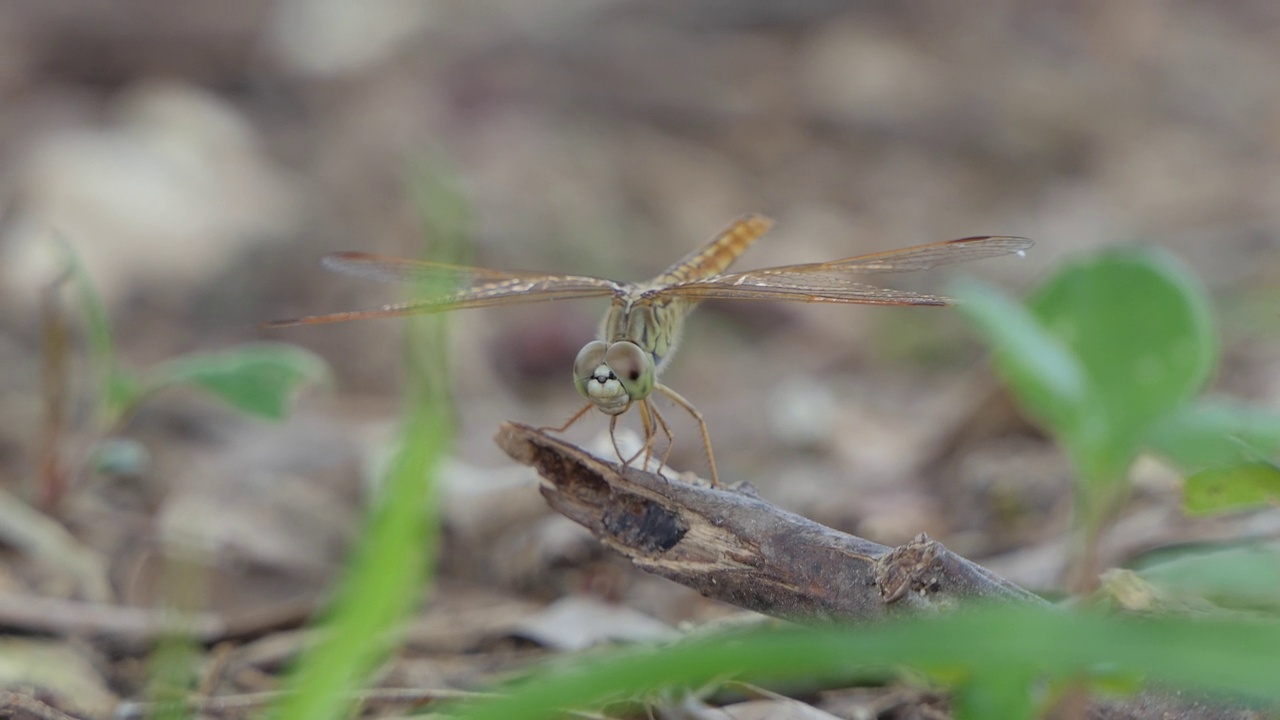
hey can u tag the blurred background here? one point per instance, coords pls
(201, 157)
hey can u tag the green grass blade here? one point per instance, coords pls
(384, 580)
(1223, 656)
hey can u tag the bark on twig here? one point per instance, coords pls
(732, 546)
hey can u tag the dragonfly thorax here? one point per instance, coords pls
(646, 319)
(613, 375)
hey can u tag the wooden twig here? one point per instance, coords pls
(732, 546)
(235, 705)
(136, 629)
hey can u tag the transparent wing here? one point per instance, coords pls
(796, 287)
(382, 268)
(829, 281)
(460, 287)
(922, 257)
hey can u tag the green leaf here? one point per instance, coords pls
(1216, 433)
(1140, 327)
(996, 692)
(1241, 577)
(1110, 345)
(1237, 487)
(1038, 367)
(260, 378)
(121, 394)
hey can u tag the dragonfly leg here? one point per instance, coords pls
(647, 425)
(650, 429)
(576, 417)
(661, 424)
(678, 399)
(653, 421)
(613, 437)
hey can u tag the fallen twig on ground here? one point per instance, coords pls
(135, 628)
(731, 545)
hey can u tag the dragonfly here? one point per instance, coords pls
(643, 325)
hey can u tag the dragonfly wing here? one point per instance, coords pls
(453, 287)
(776, 284)
(386, 269)
(830, 282)
(920, 257)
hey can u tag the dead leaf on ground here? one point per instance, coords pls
(55, 668)
(578, 622)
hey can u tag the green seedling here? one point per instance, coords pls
(259, 379)
(1110, 356)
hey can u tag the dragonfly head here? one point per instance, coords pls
(613, 375)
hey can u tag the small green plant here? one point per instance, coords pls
(1110, 356)
(259, 379)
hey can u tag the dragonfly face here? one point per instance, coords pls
(613, 375)
(644, 322)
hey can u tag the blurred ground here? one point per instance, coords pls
(201, 157)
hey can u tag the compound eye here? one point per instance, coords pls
(589, 358)
(633, 367)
